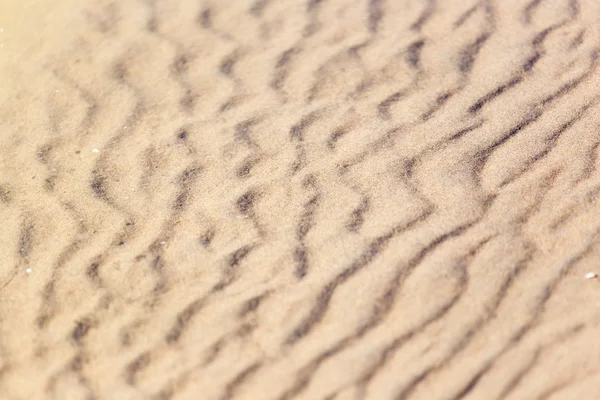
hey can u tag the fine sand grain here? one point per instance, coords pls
(286, 199)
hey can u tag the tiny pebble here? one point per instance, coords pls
(28, 270)
(163, 242)
(591, 275)
(95, 151)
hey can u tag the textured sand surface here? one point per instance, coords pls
(285, 199)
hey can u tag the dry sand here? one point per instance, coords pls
(331, 199)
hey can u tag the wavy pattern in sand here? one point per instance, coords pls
(318, 199)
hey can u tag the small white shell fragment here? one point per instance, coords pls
(28, 270)
(95, 151)
(591, 275)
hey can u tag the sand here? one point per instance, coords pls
(299, 199)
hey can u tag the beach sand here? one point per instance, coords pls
(299, 199)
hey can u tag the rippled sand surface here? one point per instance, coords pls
(334, 199)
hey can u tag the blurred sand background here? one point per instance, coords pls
(335, 199)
